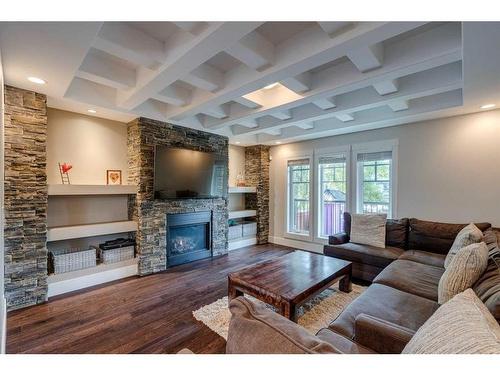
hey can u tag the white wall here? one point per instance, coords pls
(448, 169)
(91, 144)
(236, 166)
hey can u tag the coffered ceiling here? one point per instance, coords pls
(259, 82)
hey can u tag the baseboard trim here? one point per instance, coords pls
(309, 246)
(3, 324)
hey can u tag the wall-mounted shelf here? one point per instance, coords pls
(242, 213)
(89, 230)
(102, 273)
(242, 189)
(242, 242)
(59, 189)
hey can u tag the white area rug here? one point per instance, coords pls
(313, 315)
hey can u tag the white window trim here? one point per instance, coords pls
(295, 236)
(377, 146)
(318, 153)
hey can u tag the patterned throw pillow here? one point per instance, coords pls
(467, 236)
(368, 229)
(464, 270)
(461, 326)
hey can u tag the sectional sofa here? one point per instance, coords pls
(402, 297)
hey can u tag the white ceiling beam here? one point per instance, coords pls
(184, 54)
(325, 103)
(220, 111)
(344, 117)
(368, 58)
(299, 84)
(205, 77)
(368, 120)
(124, 41)
(400, 105)
(386, 87)
(306, 125)
(425, 83)
(438, 46)
(101, 68)
(254, 51)
(246, 102)
(334, 28)
(273, 132)
(175, 95)
(190, 27)
(250, 123)
(306, 50)
(282, 115)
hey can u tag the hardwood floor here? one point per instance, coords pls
(151, 314)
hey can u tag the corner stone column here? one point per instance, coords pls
(25, 198)
(257, 174)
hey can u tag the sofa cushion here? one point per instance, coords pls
(412, 277)
(375, 256)
(342, 343)
(467, 236)
(368, 229)
(255, 329)
(435, 237)
(392, 305)
(461, 326)
(396, 231)
(424, 257)
(464, 270)
(487, 287)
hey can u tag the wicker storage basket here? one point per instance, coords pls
(117, 255)
(249, 228)
(234, 232)
(67, 260)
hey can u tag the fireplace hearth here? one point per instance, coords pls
(189, 237)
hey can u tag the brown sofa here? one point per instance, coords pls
(416, 239)
(385, 317)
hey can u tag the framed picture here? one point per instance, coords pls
(114, 177)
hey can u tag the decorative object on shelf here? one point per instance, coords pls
(113, 177)
(64, 168)
(240, 179)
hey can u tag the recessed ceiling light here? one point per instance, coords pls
(278, 142)
(91, 111)
(271, 86)
(237, 142)
(36, 80)
(487, 106)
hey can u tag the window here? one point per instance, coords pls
(374, 190)
(332, 194)
(299, 196)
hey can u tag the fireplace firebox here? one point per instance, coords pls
(189, 237)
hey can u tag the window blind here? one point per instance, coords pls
(332, 159)
(297, 162)
(375, 156)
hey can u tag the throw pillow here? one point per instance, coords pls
(465, 268)
(461, 326)
(468, 235)
(368, 229)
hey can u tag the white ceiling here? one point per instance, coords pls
(334, 77)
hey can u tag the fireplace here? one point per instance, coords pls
(189, 237)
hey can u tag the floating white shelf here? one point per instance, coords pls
(242, 189)
(59, 189)
(242, 213)
(242, 242)
(102, 273)
(90, 230)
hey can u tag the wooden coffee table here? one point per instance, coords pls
(290, 280)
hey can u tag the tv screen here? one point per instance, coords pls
(181, 173)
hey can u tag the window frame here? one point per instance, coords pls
(287, 233)
(326, 152)
(368, 147)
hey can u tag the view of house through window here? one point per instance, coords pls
(332, 194)
(374, 182)
(298, 193)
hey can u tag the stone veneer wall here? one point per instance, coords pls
(143, 135)
(257, 174)
(25, 198)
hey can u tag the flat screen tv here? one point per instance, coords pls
(181, 173)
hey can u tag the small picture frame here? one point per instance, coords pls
(113, 177)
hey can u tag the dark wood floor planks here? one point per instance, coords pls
(151, 314)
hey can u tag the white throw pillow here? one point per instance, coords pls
(368, 229)
(467, 236)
